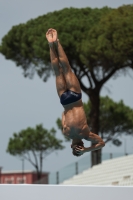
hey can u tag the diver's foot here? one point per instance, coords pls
(55, 39)
(49, 35)
(54, 32)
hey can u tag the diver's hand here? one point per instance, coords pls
(80, 150)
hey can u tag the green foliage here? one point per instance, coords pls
(38, 139)
(91, 37)
(59, 124)
(38, 142)
(110, 42)
(115, 118)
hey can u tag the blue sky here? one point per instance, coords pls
(25, 102)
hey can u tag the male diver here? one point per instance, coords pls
(74, 120)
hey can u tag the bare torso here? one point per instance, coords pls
(74, 120)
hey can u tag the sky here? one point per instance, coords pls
(25, 102)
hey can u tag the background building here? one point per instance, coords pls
(18, 177)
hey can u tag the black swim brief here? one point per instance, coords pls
(69, 97)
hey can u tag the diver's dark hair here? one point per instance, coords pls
(74, 152)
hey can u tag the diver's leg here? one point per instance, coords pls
(70, 78)
(60, 81)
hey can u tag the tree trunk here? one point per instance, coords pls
(38, 177)
(94, 123)
(38, 174)
(95, 157)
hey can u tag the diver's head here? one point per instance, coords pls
(74, 145)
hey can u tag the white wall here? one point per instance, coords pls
(55, 192)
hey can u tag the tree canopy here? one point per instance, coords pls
(92, 38)
(34, 144)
